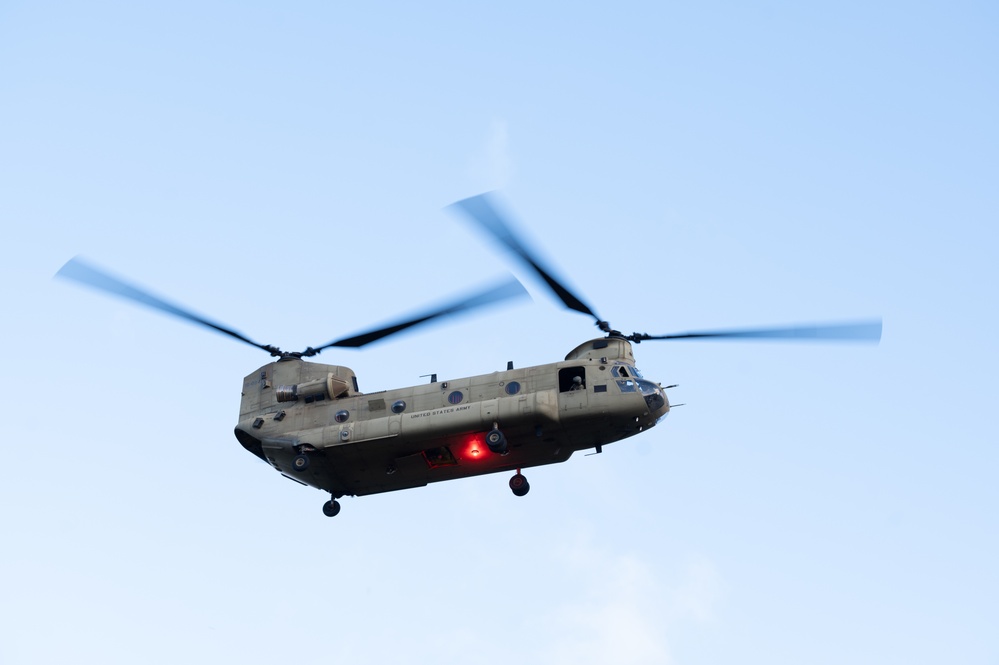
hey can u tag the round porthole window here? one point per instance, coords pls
(398, 407)
(512, 388)
(455, 397)
(341, 416)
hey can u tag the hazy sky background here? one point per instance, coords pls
(684, 165)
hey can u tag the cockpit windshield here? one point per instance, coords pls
(626, 371)
(653, 395)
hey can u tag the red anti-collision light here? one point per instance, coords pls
(474, 448)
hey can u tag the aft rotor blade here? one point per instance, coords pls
(482, 211)
(860, 331)
(79, 271)
(504, 291)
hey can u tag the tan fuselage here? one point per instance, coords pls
(408, 437)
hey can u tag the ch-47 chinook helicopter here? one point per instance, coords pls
(313, 425)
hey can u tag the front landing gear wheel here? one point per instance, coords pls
(519, 485)
(496, 441)
(331, 508)
(300, 463)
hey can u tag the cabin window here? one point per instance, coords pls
(600, 389)
(626, 386)
(571, 378)
(512, 388)
(398, 406)
(455, 397)
(341, 416)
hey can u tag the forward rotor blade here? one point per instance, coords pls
(504, 291)
(482, 211)
(861, 331)
(79, 271)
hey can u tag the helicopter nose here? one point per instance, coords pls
(665, 408)
(655, 398)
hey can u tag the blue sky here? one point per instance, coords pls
(285, 171)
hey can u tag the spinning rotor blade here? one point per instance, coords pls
(508, 289)
(77, 270)
(482, 211)
(862, 331)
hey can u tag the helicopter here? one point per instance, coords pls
(311, 422)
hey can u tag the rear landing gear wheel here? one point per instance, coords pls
(519, 485)
(331, 508)
(300, 463)
(496, 441)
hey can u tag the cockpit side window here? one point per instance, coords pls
(626, 371)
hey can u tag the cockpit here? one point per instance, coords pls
(623, 370)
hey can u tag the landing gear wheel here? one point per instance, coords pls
(331, 508)
(519, 485)
(496, 441)
(300, 463)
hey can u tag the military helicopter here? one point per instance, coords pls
(311, 422)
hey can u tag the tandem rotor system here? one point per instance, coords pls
(483, 212)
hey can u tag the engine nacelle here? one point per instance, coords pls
(331, 387)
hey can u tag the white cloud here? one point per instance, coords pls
(492, 166)
(616, 622)
(626, 608)
(498, 153)
(698, 593)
